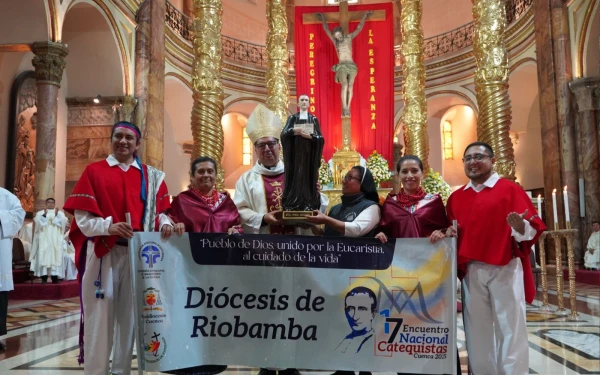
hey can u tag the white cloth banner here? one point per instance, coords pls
(323, 303)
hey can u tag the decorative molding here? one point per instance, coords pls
(49, 62)
(15, 47)
(103, 101)
(89, 116)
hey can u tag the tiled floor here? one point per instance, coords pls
(42, 337)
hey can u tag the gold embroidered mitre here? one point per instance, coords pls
(263, 123)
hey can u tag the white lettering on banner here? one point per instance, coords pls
(303, 299)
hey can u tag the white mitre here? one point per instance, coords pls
(263, 123)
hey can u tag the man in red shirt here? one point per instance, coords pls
(497, 225)
(106, 191)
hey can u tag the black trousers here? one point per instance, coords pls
(3, 312)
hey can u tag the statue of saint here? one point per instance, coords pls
(345, 70)
(302, 143)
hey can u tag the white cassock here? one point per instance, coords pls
(26, 237)
(11, 220)
(69, 259)
(251, 200)
(48, 243)
(593, 260)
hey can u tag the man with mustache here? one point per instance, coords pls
(106, 191)
(497, 225)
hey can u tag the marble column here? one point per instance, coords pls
(150, 79)
(188, 8)
(49, 63)
(124, 111)
(557, 122)
(290, 9)
(585, 92)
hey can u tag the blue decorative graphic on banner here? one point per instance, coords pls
(151, 253)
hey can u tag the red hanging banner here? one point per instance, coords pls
(372, 105)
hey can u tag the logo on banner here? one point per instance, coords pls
(408, 327)
(155, 348)
(151, 253)
(152, 301)
(360, 307)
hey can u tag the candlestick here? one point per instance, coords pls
(554, 209)
(566, 199)
(539, 204)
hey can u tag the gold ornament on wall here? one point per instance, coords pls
(414, 116)
(277, 59)
(491, 82)
(207, 110)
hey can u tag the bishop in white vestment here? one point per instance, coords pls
(591, 258)
(11, 220)
(48, 243)
(259, 191)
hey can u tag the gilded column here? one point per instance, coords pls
(277, 59)
(49, 63)
(150, 79)
(491, 82)
(206, 82)
(414, 116)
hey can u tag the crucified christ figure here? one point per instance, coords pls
(345, 70)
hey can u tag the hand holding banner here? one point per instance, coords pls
(297, 301)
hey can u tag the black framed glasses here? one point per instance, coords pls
(348, 177)
(475, 157)
(263, 146)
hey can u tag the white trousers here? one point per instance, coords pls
(495, 319)
(110, 319)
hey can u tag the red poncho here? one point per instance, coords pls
(397, 222)
(197, 216)
(483, 233)
(107, 191)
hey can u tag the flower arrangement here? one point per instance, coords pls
(433, 183)
(378, 167)
(325, 174)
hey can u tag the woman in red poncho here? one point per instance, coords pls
(203, 209)
(412, 213)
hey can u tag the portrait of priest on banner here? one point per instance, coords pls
(360, 307)
(302, 143)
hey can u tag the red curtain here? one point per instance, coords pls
(372, 105)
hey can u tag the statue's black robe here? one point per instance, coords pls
(301, 158)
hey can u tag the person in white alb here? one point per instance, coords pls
(105, 193)
(69, 268)
(592, 255)
(11, 220)
(48, 243)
